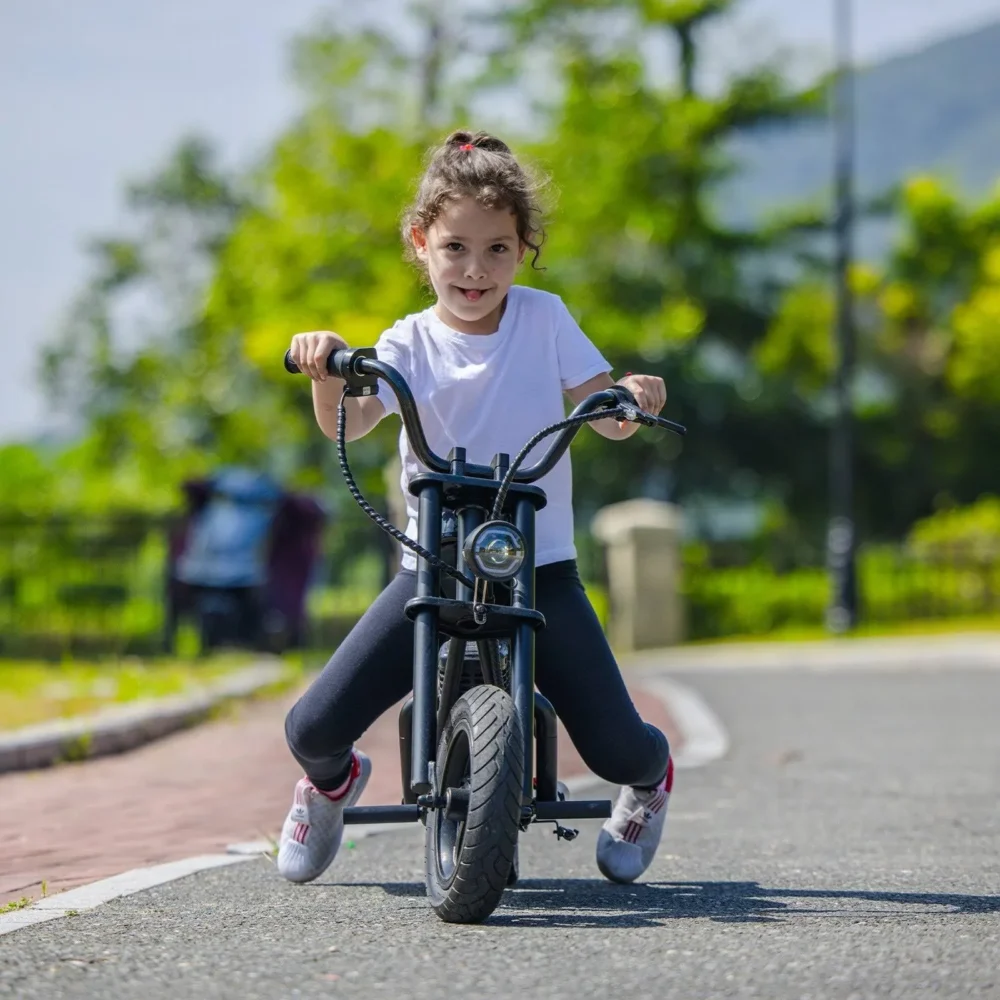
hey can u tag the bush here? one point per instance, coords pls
(751, 600)
(972, 532)
(894, 586)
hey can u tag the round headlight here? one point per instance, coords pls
(495, 550)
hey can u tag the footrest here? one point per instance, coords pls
(382, 814)
(573, 809)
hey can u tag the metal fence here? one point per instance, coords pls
(81, 585)
(94, 586)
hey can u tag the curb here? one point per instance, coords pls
(703, 736)
(87, 897)
(115, 730)
(968, 650)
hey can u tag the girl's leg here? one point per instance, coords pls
(578, 674)
(576, 670)
(370, 671)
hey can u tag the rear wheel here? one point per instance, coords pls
(480, 766)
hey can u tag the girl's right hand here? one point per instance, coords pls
(310, 352)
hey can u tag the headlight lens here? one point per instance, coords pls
(495, 550)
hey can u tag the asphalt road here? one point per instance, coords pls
(847, 847)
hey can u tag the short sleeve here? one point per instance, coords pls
(393, 350)
(579, 359)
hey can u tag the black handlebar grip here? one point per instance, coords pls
(670, 425)
(335, 363)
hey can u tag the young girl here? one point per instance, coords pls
(488, 364)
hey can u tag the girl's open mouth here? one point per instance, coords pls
(473, 294)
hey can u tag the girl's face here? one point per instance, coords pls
(472, 255)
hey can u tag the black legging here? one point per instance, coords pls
(574, 668)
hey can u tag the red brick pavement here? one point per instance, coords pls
(192, 793)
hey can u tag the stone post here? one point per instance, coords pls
(642, 539)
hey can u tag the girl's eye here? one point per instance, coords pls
(453, 246)
(499, 248)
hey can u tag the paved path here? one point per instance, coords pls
(192, 793)
(846, 848)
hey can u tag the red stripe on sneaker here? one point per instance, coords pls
(669, 783)
(338, 793)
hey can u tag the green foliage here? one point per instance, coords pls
(15, 904)
(311, 241)
(32, 692)
(972, 532)
(75, 582)
(637, 249)
(895, 586)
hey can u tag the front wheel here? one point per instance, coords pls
(469, 853)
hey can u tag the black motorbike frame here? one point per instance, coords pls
(470, 490)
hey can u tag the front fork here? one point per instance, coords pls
(421, 748)
(425, 645)
(522, 681)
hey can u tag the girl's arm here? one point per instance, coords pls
(649, 391)
(363, 412)
(310, 352)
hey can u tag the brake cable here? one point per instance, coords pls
(386, 525)
(580, 418)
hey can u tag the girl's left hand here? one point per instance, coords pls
(649, 390)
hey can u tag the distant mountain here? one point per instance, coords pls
(935, 110)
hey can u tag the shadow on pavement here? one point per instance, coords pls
(590, 902)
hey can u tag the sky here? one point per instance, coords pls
(95, 94)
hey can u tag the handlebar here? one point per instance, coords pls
(361, 370)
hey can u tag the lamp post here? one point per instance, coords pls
(842, 613)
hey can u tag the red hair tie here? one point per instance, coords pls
(467, 145)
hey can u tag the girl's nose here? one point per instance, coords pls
(475, 269)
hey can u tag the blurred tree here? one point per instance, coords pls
(656, 280)
(641, 256)
(172, 353)
(321, 247)
(157, 398)
(928, 384)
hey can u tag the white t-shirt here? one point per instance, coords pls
(492, 393)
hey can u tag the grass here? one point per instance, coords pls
(16, 904)
(32, 692)
(918, 627)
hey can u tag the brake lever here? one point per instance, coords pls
(635, 415)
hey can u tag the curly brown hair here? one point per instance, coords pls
(480, 166)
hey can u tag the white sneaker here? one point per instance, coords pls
(311, 835)
(628, 841)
